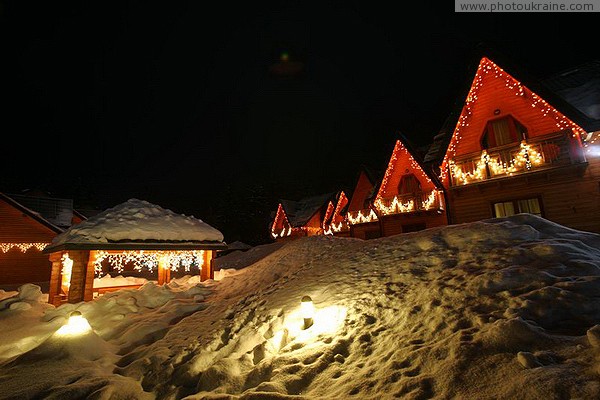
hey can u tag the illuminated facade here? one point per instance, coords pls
(23, 236)
(508, 150)
(511, 151)
(307, 217)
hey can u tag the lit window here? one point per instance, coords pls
(512, 207)
(502, 131)
(409, 184)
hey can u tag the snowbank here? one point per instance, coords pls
(138, 220)
(240, 259)
(504, 308)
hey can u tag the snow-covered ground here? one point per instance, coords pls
(499, 309)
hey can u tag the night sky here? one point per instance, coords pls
(177, 102)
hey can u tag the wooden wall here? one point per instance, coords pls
(17, 267)
(401, 223)
(403, 165)
(570, 196)
(495, 95)
(362, 190)
(369, 230)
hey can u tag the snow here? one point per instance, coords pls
(241, 259)
(138, 220)
(504, 308)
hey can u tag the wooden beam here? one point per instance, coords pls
(78, 275)
(54, 291)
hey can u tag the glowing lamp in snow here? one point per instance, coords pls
(308, 311)
(75, 326)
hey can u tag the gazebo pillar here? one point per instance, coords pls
(55, 295)
(164, 272)
(207, 271)
(82, 276)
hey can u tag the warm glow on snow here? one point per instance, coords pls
(75, 326)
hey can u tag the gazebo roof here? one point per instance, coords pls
(138, 225)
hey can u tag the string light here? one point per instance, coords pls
(65, 272)
(396, 206)
(338, 222)
(23, 247)
(359, 218)
(524, 160)
(149, 260)
(328, 214)
(399, 150)
(486, 67)
(281, 220)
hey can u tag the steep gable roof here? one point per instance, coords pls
(485, 69)
(36, 216)
(402, 154)
(299, 212)
(580, 87)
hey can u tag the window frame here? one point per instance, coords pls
(515, 201)
(513, 126)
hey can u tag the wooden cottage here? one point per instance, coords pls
(305, 217)
(24, 233)
(409, 198)
(511, 151)
(361, 217)
(136, 235)
(335, 221)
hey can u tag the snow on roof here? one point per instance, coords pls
(301, 211)
(136, 221)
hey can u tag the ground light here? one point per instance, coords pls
(308, 311)
(76, 325)
(307, 325)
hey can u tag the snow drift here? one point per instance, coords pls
(505, 308)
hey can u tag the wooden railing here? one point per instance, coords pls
(361, 216)
(421, 201)
(549, 151)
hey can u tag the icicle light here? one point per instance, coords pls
(486, 67)
(523, 161)
(149, 260)
(23, 247)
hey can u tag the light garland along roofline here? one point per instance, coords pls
(390, 169)
(23, 247)
(486, 66)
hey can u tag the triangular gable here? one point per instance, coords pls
(281, 226)
(328, 214)
(524, 105)
(402, 161)
(34, 215)
(341, 204)
(362, 191)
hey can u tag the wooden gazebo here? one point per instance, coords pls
(135, 232)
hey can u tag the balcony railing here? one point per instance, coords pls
(421, 201)
(549, 151)
(361, 216)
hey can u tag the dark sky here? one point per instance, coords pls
(173, 102)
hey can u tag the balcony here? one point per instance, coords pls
(401, 204)
(549, 151)
(362, 216)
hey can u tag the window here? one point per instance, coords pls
(512, 207)
(505, 130)
(409, 184)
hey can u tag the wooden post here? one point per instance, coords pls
(54, 291)
(164, 272)
(78, 275)
(207, 271)
(90, 272)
